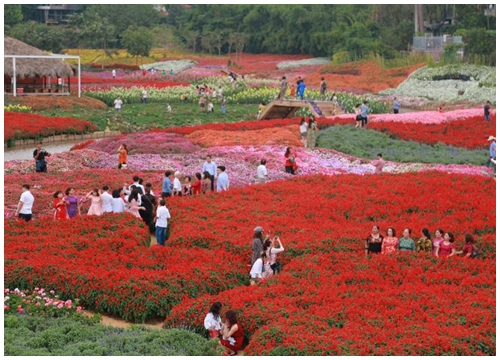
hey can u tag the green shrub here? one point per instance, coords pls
(36, 335)
(365, 143)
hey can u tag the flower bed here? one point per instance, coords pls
(327, 281)
(471, 133)
(38, 302)
(176, 65)
(38, 103)
(479, 88)
(88, 169)
(422, 117)
(214, 232)
(32, 126)
(365, 75)
(133, 282)
(146, 143)
(304, 62)
(274, 136)
(326, 307)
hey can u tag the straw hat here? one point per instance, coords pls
(491, 138)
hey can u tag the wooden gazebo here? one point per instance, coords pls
(31, 71)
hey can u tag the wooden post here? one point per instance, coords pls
(79, 79)
(14, 87)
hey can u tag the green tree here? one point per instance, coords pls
(95, 29)
(138, 41)
(13, 14)
(41, 36)
(124, 16)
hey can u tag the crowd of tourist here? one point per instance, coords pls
(443, 244)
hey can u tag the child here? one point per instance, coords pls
(169, 108)
(186, 189)
(292, 91)
(183, 98)
(210, 107)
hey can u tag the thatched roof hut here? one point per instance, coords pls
(30, 68)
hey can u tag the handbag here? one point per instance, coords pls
(276, 267)
(475, 253)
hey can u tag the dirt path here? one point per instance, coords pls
(120, 323)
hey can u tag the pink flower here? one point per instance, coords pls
(37, 304)
(79, 309)
(36, 289)
(6, 307)
(68, 304)
(60, 306)
(52, 292)
(6, 291)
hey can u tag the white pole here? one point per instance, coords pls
(14, 88)
(79, 79)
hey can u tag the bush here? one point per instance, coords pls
(365, 143)
(35, 335)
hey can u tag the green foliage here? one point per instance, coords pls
(35, 336)
(138, 41)
(450, 53)
(124, 16)
(315, 29)
(480, 47)
(41, 36)
(12, 15)
(365, 143)
(97, 30)
(151, 115)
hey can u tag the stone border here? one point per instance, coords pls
(65, 137)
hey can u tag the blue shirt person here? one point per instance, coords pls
(166, 186)
(365, 110)
(396, 105)
(222, 179)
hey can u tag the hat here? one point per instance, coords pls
(491, 138)
(258, 229)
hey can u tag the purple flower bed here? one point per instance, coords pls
(147, 143)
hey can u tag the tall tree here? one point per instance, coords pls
(218, 40)
(98, 31)
(138, 41)
(191, 38)
(239, 44)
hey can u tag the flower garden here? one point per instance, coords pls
(330, 298)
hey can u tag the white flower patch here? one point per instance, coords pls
(478, 84)
(304, 62)
(176, 65)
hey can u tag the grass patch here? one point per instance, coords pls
(366, 143)
(136, 117)
(41, 336)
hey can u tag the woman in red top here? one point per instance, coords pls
(468, 247)
(447, 247)
(390, 242)
(290, 161)
(59, 204)
(232, 334)
(196, 187)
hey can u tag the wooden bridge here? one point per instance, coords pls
(281, 109)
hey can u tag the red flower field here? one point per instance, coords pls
(471, 133)
(332, 299)
(26, 126)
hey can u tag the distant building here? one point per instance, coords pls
(55, 14)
